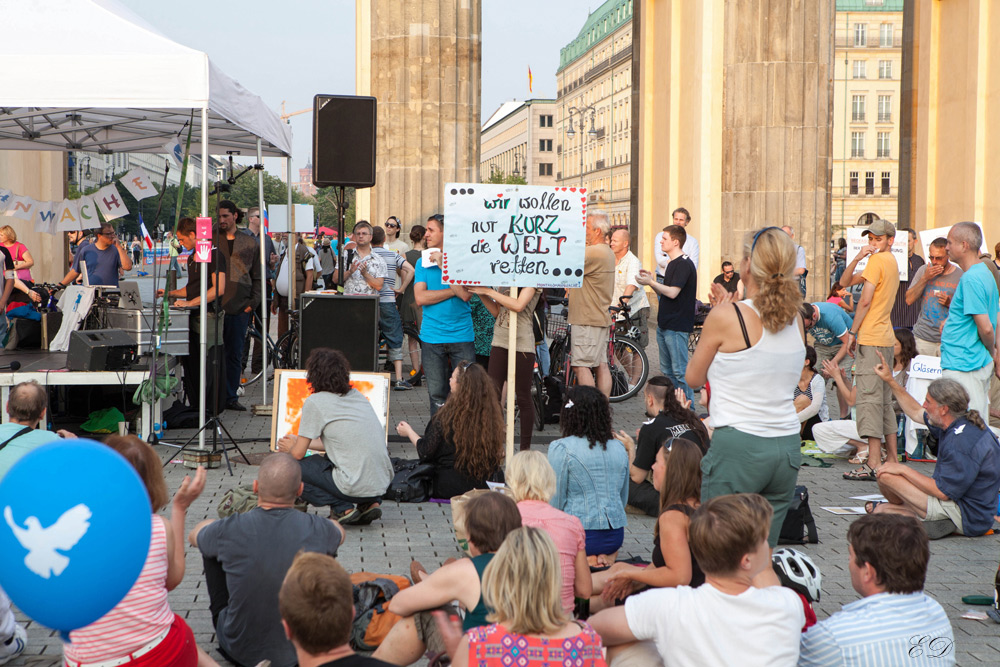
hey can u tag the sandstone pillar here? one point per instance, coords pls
(733, 110)
(422, 61)
(41, 175)
(952, 123)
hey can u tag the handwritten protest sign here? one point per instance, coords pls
(855, 242)
(514, 235)
(928, 235)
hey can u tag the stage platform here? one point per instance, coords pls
(49, 370)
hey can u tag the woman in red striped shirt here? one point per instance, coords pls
(142, 631)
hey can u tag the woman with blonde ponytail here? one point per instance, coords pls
(752, 353)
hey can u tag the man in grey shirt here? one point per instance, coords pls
(246, 557)
(933, 285)
(356, 471)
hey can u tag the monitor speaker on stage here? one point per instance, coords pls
(344, 141)
(345, 323)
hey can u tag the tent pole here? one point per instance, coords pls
(291, 242)
(263, 276)
(202, 308)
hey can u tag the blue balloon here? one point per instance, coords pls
(75, 532)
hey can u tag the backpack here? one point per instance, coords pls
(241, 499)
(411, 481)
(799, 521)
(372, 621)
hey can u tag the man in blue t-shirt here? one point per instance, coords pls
(961, 496)
(830, 327)
(103, 258)
(968, 337)
(446, 334)
(675, 320)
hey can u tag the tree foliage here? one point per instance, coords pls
(506, 179)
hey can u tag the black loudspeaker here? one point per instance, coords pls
(344, 141)
(345, 323)
(101, 350)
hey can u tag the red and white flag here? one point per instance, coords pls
(145, 233)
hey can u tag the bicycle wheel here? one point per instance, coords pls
(693, 339)
(538, 397)
(253, 335)
(286, 350)
(629, 368)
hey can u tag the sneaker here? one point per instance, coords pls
(14, 646)
(402, 385)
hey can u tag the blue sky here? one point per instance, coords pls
(296, 49)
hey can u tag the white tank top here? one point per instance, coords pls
(753, 389)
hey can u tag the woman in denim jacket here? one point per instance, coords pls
(591, 472)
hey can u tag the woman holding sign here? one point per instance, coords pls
(500, 304)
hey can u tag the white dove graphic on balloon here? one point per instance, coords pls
(44, 544)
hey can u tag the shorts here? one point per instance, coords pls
(589, 345)
(427, 628)
(874, 414)
(938, 509)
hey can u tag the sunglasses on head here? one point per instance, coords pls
(757, 236)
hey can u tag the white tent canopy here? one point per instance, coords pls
(135, 90)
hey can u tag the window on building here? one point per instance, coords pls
(544, 145)
(858, 108)
(885, 108)
(859, 69)
(860, 34)
(886, 190)
(869, 182)
(884, 149)
(854, 182)
(544, 168)
(545, 121)
(885, 35)
(857, 144)
(885, 69)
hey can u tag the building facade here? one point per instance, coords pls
(594, 110)
(519, 140)
(305, 182)
(866, 117)
(88, 170)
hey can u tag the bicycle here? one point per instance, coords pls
(282, 353)
(627, 361)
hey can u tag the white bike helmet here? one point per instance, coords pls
(797, 571)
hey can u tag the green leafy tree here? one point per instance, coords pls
(325, 203)
(506, 179)
(244, 192)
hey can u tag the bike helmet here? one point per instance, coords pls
(796, 570)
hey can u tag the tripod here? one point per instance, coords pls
(219, 430)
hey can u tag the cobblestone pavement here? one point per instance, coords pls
(959, 566)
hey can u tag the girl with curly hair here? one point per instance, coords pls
(464, 439)
(752, 353)
(591, 472)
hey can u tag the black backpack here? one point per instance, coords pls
(799, 526)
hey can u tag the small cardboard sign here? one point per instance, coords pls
(203, 229)
(202, 250)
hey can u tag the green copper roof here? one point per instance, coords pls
(869, 5)
(599, 24)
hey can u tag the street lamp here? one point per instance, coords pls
(581, 114)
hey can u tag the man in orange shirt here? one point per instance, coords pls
(872, 333)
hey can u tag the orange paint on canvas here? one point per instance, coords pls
(298, 391)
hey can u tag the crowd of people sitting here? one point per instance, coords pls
(543, 584)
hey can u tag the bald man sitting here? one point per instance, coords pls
(246, 557)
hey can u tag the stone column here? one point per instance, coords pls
(778, 124)
(423, 62)
(733, 116)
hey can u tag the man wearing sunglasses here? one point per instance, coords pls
(392, 240)
(103, 258)
(730, 280)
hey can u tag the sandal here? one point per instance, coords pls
(862, 474)
(859, 459)
(368, 513)
(871, 505)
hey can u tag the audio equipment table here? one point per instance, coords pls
(48, 370)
